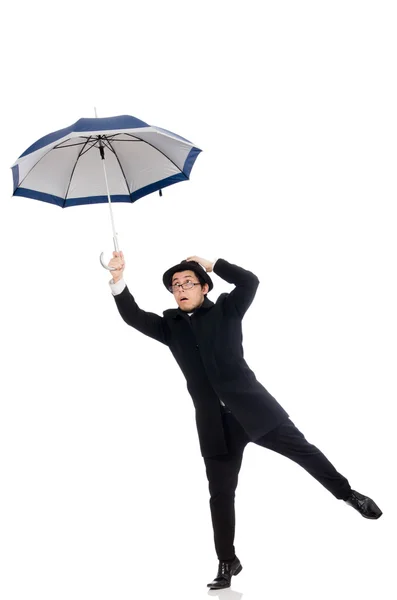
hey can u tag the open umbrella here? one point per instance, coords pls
(81, 163)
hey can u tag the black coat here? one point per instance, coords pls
(208, 348)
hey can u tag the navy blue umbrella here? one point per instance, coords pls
(81, 163)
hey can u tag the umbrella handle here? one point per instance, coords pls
(116, 247)
(105, 265)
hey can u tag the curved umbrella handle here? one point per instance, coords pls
(105, 265)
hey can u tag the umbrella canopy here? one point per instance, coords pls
(64, 167)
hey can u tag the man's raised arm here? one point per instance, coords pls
(147, 323)
(246, 284)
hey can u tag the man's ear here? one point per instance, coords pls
(205, 289)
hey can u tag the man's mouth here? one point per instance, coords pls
(183, 299)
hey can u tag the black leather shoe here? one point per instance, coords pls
(225, 573)
(365, 506)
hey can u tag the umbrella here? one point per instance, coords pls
(80, 163)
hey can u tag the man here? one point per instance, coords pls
(232, 408)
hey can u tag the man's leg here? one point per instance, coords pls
(286, 439)
(222, 473)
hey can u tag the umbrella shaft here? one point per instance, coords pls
(116, 246)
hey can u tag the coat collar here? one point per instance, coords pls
(204, 307)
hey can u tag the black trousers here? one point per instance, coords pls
(222, 473)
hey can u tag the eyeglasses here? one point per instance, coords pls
(184, 286)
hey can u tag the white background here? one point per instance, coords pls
(103, 488)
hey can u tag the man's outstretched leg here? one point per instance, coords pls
(287, 440)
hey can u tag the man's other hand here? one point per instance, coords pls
(202, 261)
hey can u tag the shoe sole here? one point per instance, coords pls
(366, 516)
(372, 518)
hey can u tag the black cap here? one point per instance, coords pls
(187, 265)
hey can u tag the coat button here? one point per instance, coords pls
(196, 346)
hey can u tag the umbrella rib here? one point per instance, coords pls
(73, 170)
(30, 170)
(60, 147)
(93, 144)
(114, 135)
(121, 168)
(157, 150)
(107, 145)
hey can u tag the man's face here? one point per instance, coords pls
(192, 298)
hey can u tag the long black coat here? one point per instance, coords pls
(208, 348)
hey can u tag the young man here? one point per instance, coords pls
(232, 407)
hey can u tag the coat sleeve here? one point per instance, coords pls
(147, 323)
(246, 284)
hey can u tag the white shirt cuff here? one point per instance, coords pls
(117, 287)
